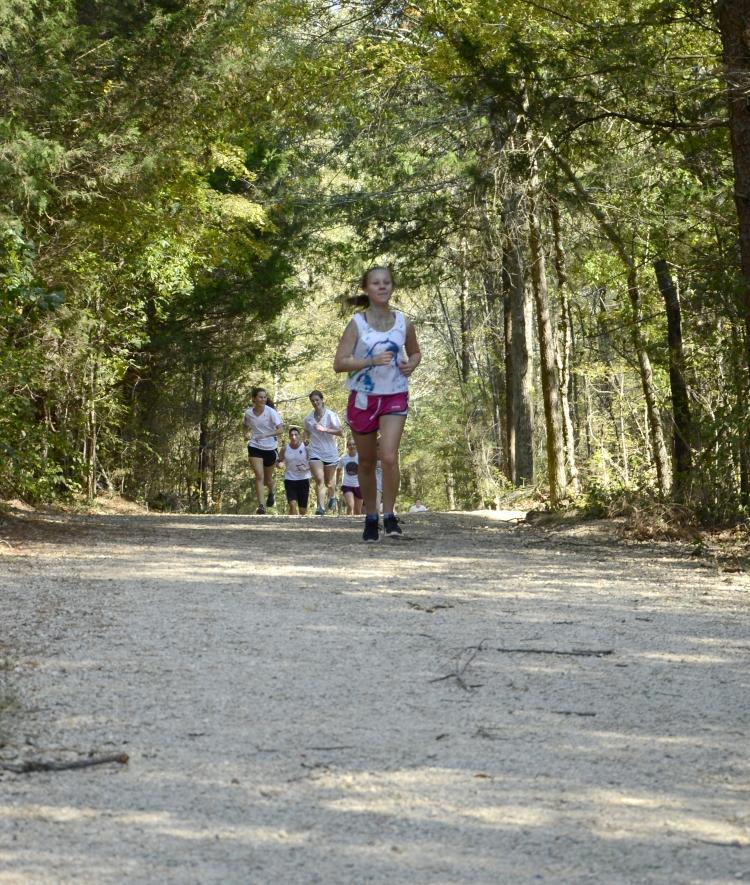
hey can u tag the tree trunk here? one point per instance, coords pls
(204, 455)
(510, 425)
(661, 459)
(683, 433)
(91, 440)
(450, 489)
(463, 302)
(565, 345)
(496, 360)
(520, 372)
(734, 19)
(621, 435)
(547, 349)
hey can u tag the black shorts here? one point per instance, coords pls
(355, 490)
(269, 456)
(297, 490)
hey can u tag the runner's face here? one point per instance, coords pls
(317, 402)
(294, 439)
(379, 288)
(260, 398)
(351, 448)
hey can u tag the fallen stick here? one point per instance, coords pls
(458, 673)
(41, 765)
(595, 652)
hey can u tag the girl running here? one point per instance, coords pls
(293, 458)
(350, 490)
(322, 426)
(370, 351)
(261, 425)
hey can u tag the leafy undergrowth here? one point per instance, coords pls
(636, 518)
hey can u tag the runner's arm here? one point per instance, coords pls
(412, 349)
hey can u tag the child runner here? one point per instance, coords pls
(322, 426)
(293, 457)
(261, 425)
(370, 351)
(349, 465)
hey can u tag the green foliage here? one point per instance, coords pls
(189, 188)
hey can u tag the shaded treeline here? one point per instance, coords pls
(559, 193)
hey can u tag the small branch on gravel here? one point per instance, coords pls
(458, 673)
(593, 652)
(41, 765)
(733, 844)
(574, 712)
(430, 609)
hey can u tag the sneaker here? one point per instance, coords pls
(332, 504)
(371, 530)
(261, 510)
(391, 527)
(319, 511)
(270, 500)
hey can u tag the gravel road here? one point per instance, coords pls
(482, 702)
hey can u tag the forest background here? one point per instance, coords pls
(191, 188)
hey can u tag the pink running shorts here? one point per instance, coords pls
(367, 420)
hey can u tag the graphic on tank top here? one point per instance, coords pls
(351, 471)
(297, 466)
(370, 343)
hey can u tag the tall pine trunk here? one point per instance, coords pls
(519, 365)
(565, 344)
(734, 25)
(204, 458)
(547, 349)
(465, 316)
(496, 361)
(683, 434)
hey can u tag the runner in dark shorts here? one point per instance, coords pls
(350, 490)
(295, 461)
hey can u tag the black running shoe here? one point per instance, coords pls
(391, 527)
(261, 510)
(270, 500)
(371, 530)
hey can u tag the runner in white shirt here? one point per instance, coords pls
(261, 425)
(322, 426)
(293, 457)
(349, 466)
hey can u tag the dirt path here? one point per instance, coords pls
(481, 703)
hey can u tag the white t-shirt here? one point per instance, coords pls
(323, 445)
(350, 466)
(296, 465)
(268, 421)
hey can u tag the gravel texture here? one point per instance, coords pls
(483, 701)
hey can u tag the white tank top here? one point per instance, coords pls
(371, 342)
(296, 465)
(350, 465)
